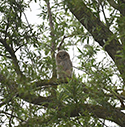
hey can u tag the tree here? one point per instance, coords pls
(31, 94)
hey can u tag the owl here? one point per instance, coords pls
(64, 64)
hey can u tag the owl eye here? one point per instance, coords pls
(64, 55)
(59, 55)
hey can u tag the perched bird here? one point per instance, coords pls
(64, 64)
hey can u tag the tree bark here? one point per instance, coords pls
(53, 46)
(99, 31)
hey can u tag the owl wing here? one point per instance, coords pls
(67, 64)
(70, 63)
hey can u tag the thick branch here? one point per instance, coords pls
(52, 82)
(98, 30)
(108, 113)
(113, 4)
(16, 92)
(119, 7)
(34, 99)
(13, 57)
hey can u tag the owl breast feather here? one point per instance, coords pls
(66, 65)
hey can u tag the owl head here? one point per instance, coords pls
(62, 55)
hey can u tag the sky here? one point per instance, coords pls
(32, 13)
(32, 17)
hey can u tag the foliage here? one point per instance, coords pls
(31, 94)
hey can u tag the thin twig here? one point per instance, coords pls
(31, 31)
(6, 56)
(27, 21)
(59, 47)
(53, 46)
(102, 6)
(11, 115)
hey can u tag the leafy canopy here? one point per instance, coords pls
(92, 31)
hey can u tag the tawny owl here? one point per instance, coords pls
(64, 64)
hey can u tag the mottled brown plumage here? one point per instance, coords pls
(64, 64)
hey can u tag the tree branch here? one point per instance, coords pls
(98, 30)
(108, 113)
(13, 57)
(53, 46)
(14, 116)
(113, 4)
(120, 6)
(59, 47)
